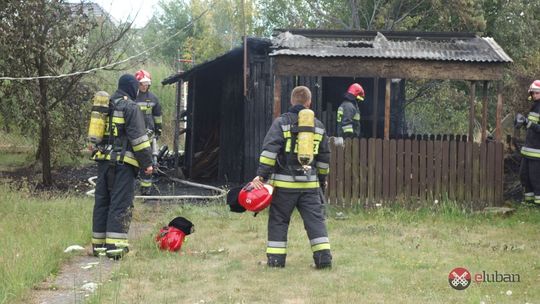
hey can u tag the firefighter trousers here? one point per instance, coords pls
(530, 180)
(113, 206)
(310, 207)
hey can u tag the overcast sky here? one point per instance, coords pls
(140, 10)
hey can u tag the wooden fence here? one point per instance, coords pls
(368, 171)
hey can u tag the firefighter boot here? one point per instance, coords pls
(98, 249)
(276, 260)
(116, 252)
(322, 259)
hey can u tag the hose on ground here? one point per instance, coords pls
(221, 192)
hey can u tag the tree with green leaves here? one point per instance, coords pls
(45, 45)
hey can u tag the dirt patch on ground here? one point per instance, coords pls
(65, 179)
(78, 279)
(75, 180)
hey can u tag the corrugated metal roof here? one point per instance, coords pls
(460, 48)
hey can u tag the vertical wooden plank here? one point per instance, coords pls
(437, 165)
(499, 172)
(491, 172)
(347, 176)
(385, 169)
(414, 168)
(422, 159)
(476, 175)
(407, 178)
(460, 171)
(277, 96)
(400, 149)
(355, 171)
(363, 169)
(392, 193)
(482, 173)
(430, 170)
(498, 116)
(469, 166)
(452, 170)
(472, 96)
(387, 109)
(375, 108)
(371, 171)
(484, 110)
(340, 173)
(332, 178)
(444, 169)
(378, 170)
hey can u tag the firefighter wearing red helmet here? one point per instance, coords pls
(530, 152)
(348, 113)
(151, 108)
(295, 186)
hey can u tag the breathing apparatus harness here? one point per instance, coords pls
(116, 145)
(302, 135)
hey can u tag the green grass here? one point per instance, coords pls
(385, 255)
(11, 160)
(34, 232)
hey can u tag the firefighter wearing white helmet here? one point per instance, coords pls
(151, 108)
(297, 177)
(530, 152)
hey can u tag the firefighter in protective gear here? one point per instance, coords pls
(348, 114)
(124, 149)
(530, 152)
(151, 108)
(294, 186)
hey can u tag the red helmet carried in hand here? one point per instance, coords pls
(255, 200)
(143, 77)
(171, 238)
(357, 91)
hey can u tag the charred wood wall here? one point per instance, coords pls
(258, 109)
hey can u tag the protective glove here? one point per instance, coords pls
(520, 121)
(322, 182)
(338, 141)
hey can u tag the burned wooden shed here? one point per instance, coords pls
(233, 98)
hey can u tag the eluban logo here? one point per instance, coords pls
(459, 278)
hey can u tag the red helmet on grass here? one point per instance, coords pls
(171, 238)
(255, 200)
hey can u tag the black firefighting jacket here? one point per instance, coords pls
(278, 162)
(151, 108)
(126, 140)
(531, 149)
(348, 119)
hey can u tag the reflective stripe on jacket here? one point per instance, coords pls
(531, 148)
(348, 119)
(127, 129)
(151, 108)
